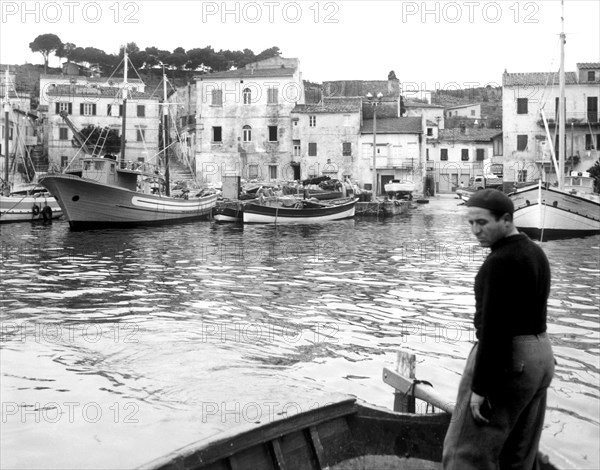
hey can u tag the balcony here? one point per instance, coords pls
(403, 163)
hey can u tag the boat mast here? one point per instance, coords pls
(561, 105)
(166, 133)
(6, 125)
(123, 122)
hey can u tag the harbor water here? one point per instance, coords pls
(119, 346)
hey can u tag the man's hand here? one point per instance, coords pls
(477, 402)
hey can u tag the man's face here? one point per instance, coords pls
(485, 227)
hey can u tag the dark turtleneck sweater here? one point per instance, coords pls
(511, 293)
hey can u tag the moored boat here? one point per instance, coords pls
(543, 210)
(228, 211)
(298, 211)
(106, 195)
(29, 206)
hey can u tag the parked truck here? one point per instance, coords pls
(482, 182)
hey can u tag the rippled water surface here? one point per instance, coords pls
(121, 346)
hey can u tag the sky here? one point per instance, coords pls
(428, 44)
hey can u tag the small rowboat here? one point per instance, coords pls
(299, 212)
(342, 435)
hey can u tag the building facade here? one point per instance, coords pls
(456, 155)
(100, 106)
(399, 155)
(244, 124)
(326, 138)
(526, 143)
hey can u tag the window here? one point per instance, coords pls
(312, 149)
(141, 135)
(247, 134)
(521, 176)
(64, 106)
(252, 172)
(591, 76)
(480, 155)
(521, 143)
(120, 110)
(141, 110)
(272, 95)
(592, 109)
(87, 109)
(347, 149)
(464, 155)
(444, 155)
(589, 142)
(217, 98)
(109, 109)
(63, 133)
(296, 148)
(272, 133)
(426, 155)
(472, 112)
(272, 172)
(217, 134)
(522, 105)
(247, 95)
(430, 131)
(312, 121)
(64, 161)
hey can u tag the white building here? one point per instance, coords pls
(526, 145)
(244, 126)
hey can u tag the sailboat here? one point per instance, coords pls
(570, 209)
(29, 204)
(108, 192)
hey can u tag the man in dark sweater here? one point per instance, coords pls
(501, 402)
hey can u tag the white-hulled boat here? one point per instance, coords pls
(543, 210)
(570, 209)
(106, 195)
(300, 212)
(29, 206)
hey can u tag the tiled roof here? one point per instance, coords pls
(68, 91)
(470, 135)
(249, 73)
(537, 78)
(82, 79)
(329, 106)
(588, 65)
(462, 106)
(401, 125)
(419, 104)
(431, 123)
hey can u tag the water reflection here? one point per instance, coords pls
(179, 332)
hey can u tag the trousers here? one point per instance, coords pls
(516, 412)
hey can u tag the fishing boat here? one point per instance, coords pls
(569, 209)
(108, 192)
(399, 188)
(229, 211)
(28, 204)
(298, 211)
(345, 434)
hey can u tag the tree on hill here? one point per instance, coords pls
(46, 44)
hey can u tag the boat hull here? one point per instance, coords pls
(256, 213)
(87, 204)
(552, 213)
(21, 208)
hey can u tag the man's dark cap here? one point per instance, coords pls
(493, 200)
